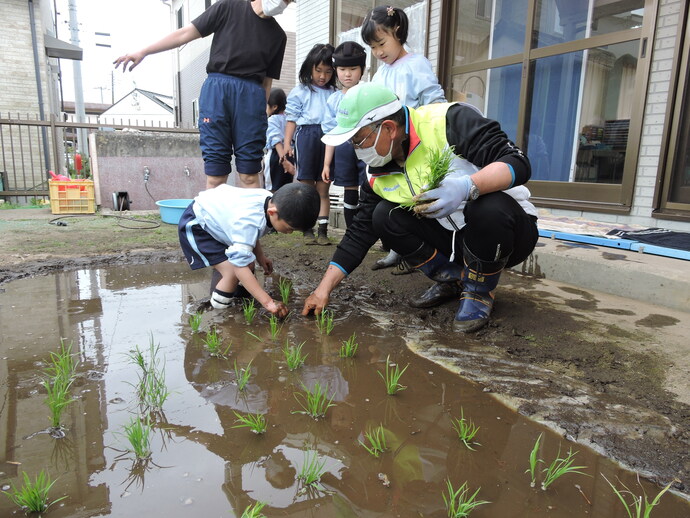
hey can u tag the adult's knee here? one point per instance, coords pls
(383, 218)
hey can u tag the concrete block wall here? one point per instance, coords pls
(174, 161)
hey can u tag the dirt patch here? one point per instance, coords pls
(608, 373)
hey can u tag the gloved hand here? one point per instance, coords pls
(445, 199)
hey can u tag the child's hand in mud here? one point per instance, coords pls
(277, 308)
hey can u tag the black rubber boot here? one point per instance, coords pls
(322, 237)
(438, 268)
(309, 237)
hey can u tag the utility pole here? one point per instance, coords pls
(82, 142)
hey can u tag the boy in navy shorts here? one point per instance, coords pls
(222, 227)
(246, 55)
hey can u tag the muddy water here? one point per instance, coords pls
(202, 466)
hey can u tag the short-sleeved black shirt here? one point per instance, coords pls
(244, 44)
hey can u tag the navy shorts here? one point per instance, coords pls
(349, 170)
(232, 121)
(309, 152)
(199, 247)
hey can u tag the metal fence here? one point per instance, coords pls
(30, 147)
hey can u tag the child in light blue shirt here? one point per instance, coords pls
(306, 108)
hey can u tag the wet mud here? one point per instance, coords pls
(590, 369)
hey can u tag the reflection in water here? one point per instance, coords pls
(202, 465)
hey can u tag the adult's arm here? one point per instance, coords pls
(350, 252)
(482, 141)
(171, 41)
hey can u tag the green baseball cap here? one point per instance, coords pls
(361, 106)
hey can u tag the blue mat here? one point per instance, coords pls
(621, 244)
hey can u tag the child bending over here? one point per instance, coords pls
(222, 227)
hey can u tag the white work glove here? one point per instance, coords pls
(446, 198)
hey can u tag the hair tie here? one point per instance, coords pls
(390, 10)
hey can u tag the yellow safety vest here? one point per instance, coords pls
(427, 132)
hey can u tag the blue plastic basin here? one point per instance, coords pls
(171, 210)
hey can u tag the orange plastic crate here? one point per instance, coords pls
(75, 197)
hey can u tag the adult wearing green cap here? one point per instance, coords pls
(461, 234)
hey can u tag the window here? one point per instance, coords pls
(675, 190)
(180, 17)
(565, 91)
(195, 113)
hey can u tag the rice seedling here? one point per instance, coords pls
(312, 468)
(439, 162)
(63, 364)
(255, 422)
(533, 461)
(466, 430)
(636, 507)
(215, 344)
(459, 502)
(274, 325)
(559, 467)
(254, 510)
(285, 287)
(249, 309)
(377, 441)
(57, 398)
(293, 355)
(32, 496)
(392, 377)
(195, 321)
(151, 387)
(242, 375)
(324, 321)
(138, 433)
(314, 402)
(349, 347)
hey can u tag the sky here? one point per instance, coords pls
(132, 25)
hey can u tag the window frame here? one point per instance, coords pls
(599, 197)
(677, 112)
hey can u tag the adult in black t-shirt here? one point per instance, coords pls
(246, 55)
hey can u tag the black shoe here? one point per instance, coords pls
(436, 295)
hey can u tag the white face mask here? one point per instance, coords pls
(371, 157)
(273, 7)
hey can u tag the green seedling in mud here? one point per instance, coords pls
(63, 364)
(459, 502)
(377, 441)
(32, 496)
(559, 467)
(249, 310)
(392, 377)
(285, 287)
(293, 355)
(57, 398)
(242, 375)
(349, 347)
(195, 321)
(533, 461)
(636, 507)
(275, 326)
(324, 321)
(315, 402)
(255, 422)
(215, 344)
(254, 511)
(312, 468)
(138, 433)
(466, 430)
(151, 388)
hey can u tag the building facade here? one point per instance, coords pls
(592, 90)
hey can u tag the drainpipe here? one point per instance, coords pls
(39, 86)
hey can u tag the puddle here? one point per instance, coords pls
(203, 466)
